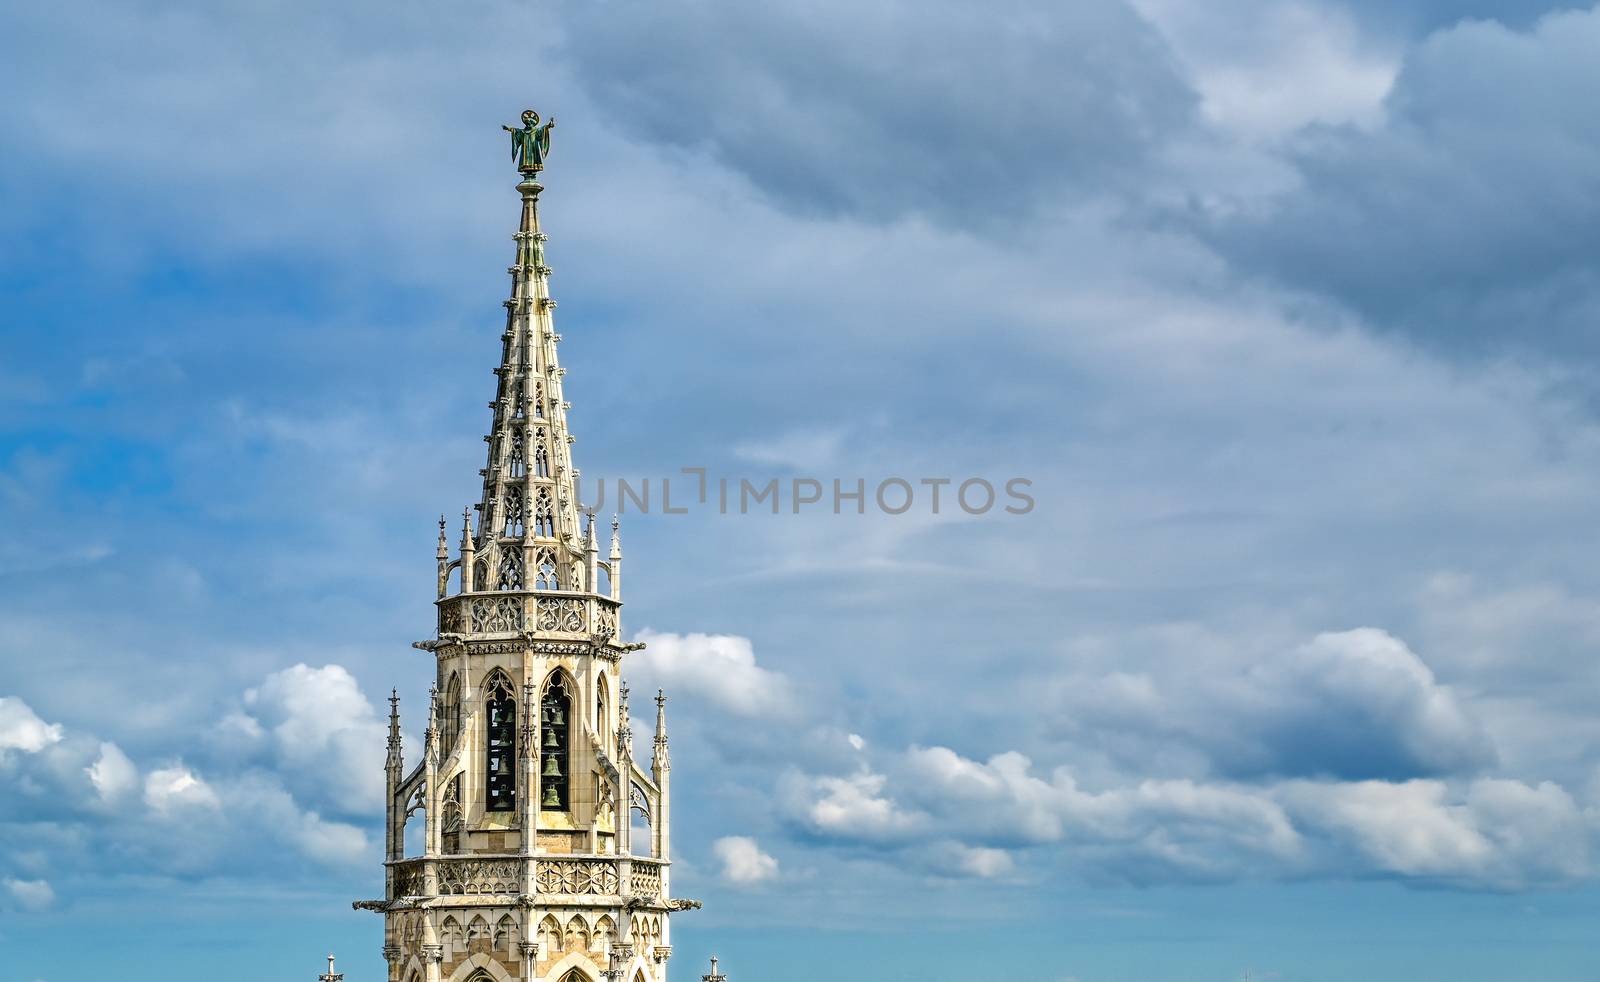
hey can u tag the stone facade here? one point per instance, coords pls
(524, 864)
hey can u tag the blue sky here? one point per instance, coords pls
(1286, 310)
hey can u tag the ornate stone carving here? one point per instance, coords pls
(577, 876)
(450, 618)
(560, 614)
(561, 648)
(494, 615)
(605, 621)
(408, 880)
(433, 952)
(645, 880)
(476, 877)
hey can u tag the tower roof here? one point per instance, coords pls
(529, 483)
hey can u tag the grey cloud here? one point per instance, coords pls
(1350, 705)
(882, 111)
(1470, 219)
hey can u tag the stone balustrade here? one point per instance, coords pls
(553, 876)
(556, 612)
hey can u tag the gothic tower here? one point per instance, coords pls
(526, 865)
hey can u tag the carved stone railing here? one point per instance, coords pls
(475, 877)
(577, 877)
(410, 879)
(644, 879)
(565, 876)
(557, 612)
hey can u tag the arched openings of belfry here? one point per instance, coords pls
(555, 761)
(500, 743)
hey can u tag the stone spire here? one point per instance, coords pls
(394, 726)
(528, 534)
(662, 761)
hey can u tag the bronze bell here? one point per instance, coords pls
(551, 798)
(550, 738)
(558, 718)
(551, 767)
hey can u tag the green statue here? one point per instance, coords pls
(530, 144)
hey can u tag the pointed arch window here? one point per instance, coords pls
(511, 569)
(538, 401)
(519, 401)
(515, 514)
(500, 744)
(544, 519)
(450, 722)
(541, 456)
(450, 816)
(555, 723)
(544, 570)
(517, 461)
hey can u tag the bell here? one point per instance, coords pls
(550, 738)
(551, 767)
(551, 798)
(558, 718)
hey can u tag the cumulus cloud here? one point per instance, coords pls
(175, 789)
(743, 862)
(328, 738)
(112, 773)
(1494, 832)
(981, 862)
(34, 895)
(1487, 833)
(1349, 704)
(849, 807)
(21, 729)
(720, 668)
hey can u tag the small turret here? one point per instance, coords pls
(661, 761)
(393, 775)
(430, 758)
(616, 559)
(468, 576)
(443, 555)
(591, 554)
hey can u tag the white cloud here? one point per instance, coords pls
(31, 894)
(176, 788)
(851, 807)
(982, 862)
(1494, 832)
(21, 730)
(112, 773)
(324, 730)
(1351, 705)
(720, 668)
(743, 862)
(1268, 67)
(962, 817)
(258, 802)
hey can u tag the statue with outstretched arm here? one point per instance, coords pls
(531, 143)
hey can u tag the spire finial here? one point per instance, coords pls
(715, 976)
(332, 976)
